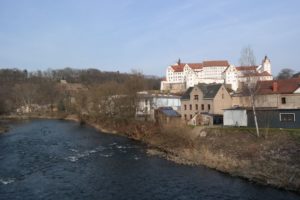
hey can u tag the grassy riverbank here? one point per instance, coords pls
(271, 159)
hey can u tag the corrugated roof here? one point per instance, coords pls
(168, 111)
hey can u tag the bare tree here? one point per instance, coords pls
(248, 59)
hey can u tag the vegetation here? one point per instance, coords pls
(285, 73)
(83, 92)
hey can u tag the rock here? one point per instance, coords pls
(203, 134)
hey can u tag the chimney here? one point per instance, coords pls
(275, 86)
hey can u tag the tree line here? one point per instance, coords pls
(84, 91)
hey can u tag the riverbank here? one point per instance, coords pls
(272, 159)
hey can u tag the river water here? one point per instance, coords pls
(53, 159)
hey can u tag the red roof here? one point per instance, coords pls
(178, 68)
(246, 68)
(195, 65)
(286, 86)
(216, 63)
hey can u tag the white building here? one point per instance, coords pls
(148, 102)
(235, 76)
(189, 74)
(181, 76)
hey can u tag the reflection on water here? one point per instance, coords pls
(52, 159)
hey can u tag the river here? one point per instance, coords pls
(53, 159)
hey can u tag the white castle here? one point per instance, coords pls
(181, 76)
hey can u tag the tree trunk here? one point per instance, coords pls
(254, 115)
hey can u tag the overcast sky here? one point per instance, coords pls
(149, 35)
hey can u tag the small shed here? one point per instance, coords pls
(235, 117)
(166, 115)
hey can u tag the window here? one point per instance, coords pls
(191, 116)
(191, 107)
(184, 107)
(208, 106)
(185, 116)
(283, 100)
(196, 97)
(196, 106)
(202, 106)
(287, 117)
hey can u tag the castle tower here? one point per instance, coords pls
(266, 65)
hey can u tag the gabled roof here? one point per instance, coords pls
(285, 86)
(209, 90)
(178, 67)
(186, 94)
(216, 63)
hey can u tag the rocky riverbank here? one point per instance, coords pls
(272, 159)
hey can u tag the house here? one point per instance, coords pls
(166, 115)
(266, 117)
(149, 101)
(204, 103)
(281, 94)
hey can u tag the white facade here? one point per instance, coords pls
(148, 103)
(234, 76)
(221, 71)
(193, 73)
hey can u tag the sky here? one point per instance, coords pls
(146, 35)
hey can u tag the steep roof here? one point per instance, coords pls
(186, 94)
(178, 67)
(216, 63)
(285, 86)
(209, 90)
